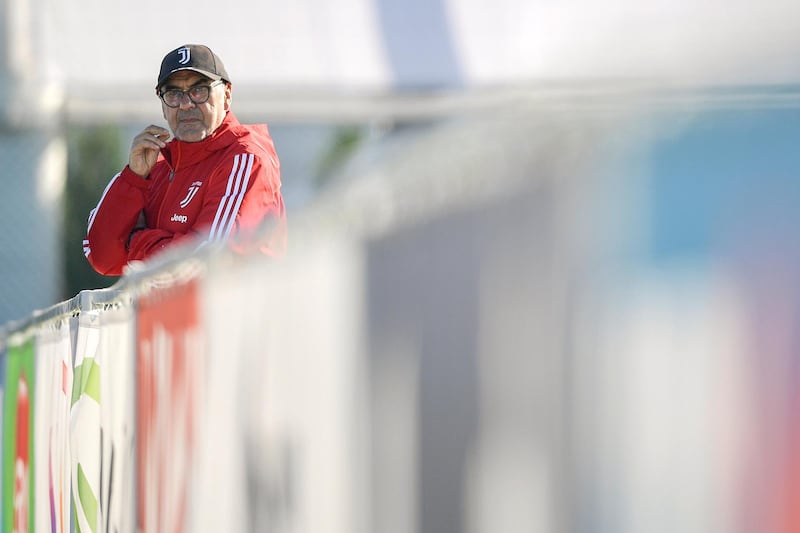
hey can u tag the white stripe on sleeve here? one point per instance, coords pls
(230, 203)
(105, 191)
(224, 199)
(239, 197)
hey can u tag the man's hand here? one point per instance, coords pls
(145, 148)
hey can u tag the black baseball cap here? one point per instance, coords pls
(196, 57)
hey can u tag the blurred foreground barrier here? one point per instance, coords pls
(586, 325)
(166, 403)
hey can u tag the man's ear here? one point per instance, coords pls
(228, 93)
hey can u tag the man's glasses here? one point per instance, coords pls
(198, 94)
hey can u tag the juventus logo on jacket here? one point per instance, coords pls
(193, 188)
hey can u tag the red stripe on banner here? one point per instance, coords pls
(65, 384)
(169, 364)
(22, 477)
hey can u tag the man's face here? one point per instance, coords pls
(192, 122)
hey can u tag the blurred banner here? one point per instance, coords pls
(86, 432)
(118, 422)
(18, 437)
(169, 369)
(54, 374)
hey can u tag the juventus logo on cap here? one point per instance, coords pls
(196, 57)
(184, 55)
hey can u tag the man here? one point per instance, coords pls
(217, 180)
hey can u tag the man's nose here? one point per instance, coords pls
(186, 102)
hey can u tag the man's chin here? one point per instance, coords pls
(191, 135)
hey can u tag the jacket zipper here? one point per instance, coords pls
(169, 184)
(166, 195)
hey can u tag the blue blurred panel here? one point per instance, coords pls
(419, 44)
(730, 174)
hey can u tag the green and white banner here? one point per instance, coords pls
(85, 434)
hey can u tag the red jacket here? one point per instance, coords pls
(226, 186)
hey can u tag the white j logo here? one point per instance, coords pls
(184, 56)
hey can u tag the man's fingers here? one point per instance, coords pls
(161, 134)
(149, 140)
(158, 131)
(149, 143)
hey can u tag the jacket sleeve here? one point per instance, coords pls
(242, 206)
(111, 222)
(246, 205)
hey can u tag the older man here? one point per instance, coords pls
(216, 180)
